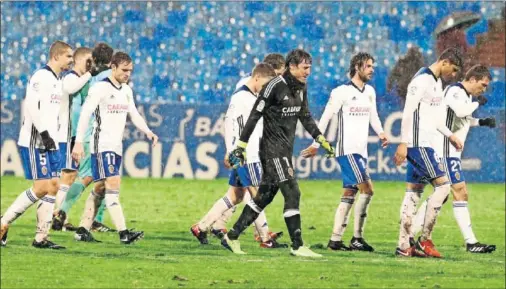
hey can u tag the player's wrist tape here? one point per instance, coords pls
(242, 144)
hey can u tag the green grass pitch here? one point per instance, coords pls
(169, 256)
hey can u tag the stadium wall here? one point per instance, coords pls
(192, 145)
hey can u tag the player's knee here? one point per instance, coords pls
(113, 183)
(86, 181)
(366, 188)
(349, 193)
(460, 194)
(265, 196)
(99, 188)
(68, 177)
(40, 188)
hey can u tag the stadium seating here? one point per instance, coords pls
(196, 51)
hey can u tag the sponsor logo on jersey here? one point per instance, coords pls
(286, 97)
(436, 101)
(290, 110)
(117, 108)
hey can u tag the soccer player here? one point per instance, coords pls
(39, 151)
(421, 123)
(72, 82)
(247, 177)
(458, 114)
(101, 58)
(111, 100)
(277, 61)
(282, 103)
(354, 103)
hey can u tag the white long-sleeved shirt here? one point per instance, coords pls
(243, 81)
(43, 97)
(458, 115)
(111, 105)
(238, 112)
(422, 119)
(355, 109)
(72, 83)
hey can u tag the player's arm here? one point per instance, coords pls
(375, 122)
(230, 117)
(444, 130)
(309, 124)
(489, 121)
(72, 83)
(139, 122)
(416, 90)
(89, 106)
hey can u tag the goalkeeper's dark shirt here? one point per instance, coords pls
(281, 103)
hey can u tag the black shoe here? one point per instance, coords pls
(273, 244)
(99, 227)
(3, 242)
(46, 244)
(359, 244)
(200, 235)
(127, 236)
(218, 233)
(337, 246)
(411, 241)
(69, 227)
(84, 235)
(59, 221)
(480, 248)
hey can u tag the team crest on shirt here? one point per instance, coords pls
(44, 170)
(111, 169)
(290, 172)
(457, 176)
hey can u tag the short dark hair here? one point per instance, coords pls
(453, 55)
(263, 70)
(58, 48)
(478, 72)
(102, 54)
(276, 60)
(79, 52)
(297, 56)
(120, 57)
(359, 59)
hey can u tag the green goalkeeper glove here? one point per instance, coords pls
(237, 157)
(331, 152)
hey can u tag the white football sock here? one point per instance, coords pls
(24, 201)
(61, 195)
(418, 221)
(90, 209)
(44, 217)
(219, 207)
(115, 210)
(463, 218)
(361, 214)
(341, 218)
(407, 212)
(434, 204)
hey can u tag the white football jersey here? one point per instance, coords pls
(243, 81)
(238, 112)
(355, 109)
(422, 116)
(71, 83)
(458, 115)
(111, 105)
(40, 107)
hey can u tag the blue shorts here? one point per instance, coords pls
(423, 165)
(353, 170)
(246, 176)
(453, 169)
(105, 164)
(38, 164)
(66, 161)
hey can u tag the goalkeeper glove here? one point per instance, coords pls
(331, 152)
(237, 157)
(47, 141)
(481, 99)
(489, 121)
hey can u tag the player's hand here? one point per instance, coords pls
(455, 141)
(401, 154)
(78, 152)
(331, 152)
(309, 152)
(47, 141)
(384, 140)
(226, 162)
(154, 138)
(481, 99)
(489, 121)
(237, 157)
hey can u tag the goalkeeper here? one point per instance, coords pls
(282, 102)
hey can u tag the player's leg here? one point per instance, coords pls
(341, 220)
(68, 169)
(73, 195)
(67, 178)
(463, 218)
(98, 224)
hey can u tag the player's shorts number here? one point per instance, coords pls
(456, 167)
(43, 159)
(111, 158)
